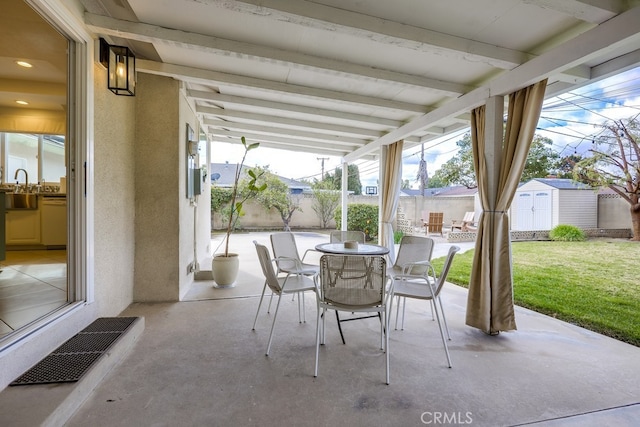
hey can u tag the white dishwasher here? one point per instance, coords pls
(53, 213)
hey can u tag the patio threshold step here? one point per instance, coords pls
(51, 403)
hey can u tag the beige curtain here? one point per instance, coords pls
(490, 299)
(390, 191)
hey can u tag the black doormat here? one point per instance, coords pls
(70, 361)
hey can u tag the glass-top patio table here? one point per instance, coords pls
(363, 249)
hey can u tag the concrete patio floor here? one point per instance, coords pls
(199, 363)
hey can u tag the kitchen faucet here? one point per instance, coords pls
(26, 177)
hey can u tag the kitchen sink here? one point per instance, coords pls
(21, 201)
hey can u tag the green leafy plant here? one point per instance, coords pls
(397, 236)
(237, 199)
(220, 198)
(360, 217)
(566, 233)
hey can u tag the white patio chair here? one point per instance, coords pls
(414, 257)
(287, 257)
(343, 285)
(289, 284)
(427, 287)
(285, 252)
(338, 236)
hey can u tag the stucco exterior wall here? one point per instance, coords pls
(612, 211)
(191, 213)
(257, 217)
(164, 217)
(114, 190)
(157, 186)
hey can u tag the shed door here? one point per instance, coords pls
(534, 210)
(542, 210)
(524, 219)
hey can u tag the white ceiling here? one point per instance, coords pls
(342, 77)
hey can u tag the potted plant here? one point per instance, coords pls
(225, 266)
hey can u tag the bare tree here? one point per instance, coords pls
(615, 163)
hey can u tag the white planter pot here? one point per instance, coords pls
(225, 269)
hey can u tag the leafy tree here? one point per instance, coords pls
(220, 198)
(542, 160)
(277, 196)
(615, 163)
(353, 179)
(326, 200)
(405, 184)
(360, 217)
(458, 170)
(436, 182)
(566, 165)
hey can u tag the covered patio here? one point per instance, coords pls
(199, 363)
(352, 79)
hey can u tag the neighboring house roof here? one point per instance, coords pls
(458, 191)
(223, 175)
(428, 192)
(563, 184)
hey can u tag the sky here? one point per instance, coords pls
(571, 121)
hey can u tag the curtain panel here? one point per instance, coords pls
(490, 299)
(390, 192)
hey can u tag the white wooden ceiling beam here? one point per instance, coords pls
(203, 43)
(606, 37)
(278, 146)
(337, 149)
(349, 142)
(216, 97)
(616, 65)
(208, 78)
(332, 19)
(594, 11)
(232, 138)
(599, 72)
(293, 123)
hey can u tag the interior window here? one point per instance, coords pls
(22, 153)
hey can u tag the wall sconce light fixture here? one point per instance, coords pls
(120, 63)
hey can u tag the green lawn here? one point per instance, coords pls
(593, 284)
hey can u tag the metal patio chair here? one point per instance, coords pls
(289, 284)
(344, 285)
(426, 287)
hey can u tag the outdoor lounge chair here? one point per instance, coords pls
(466, 221)
(433, 223)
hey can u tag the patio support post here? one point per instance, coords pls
(345, 194)
(498, 162)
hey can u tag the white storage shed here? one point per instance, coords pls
(543, 203)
